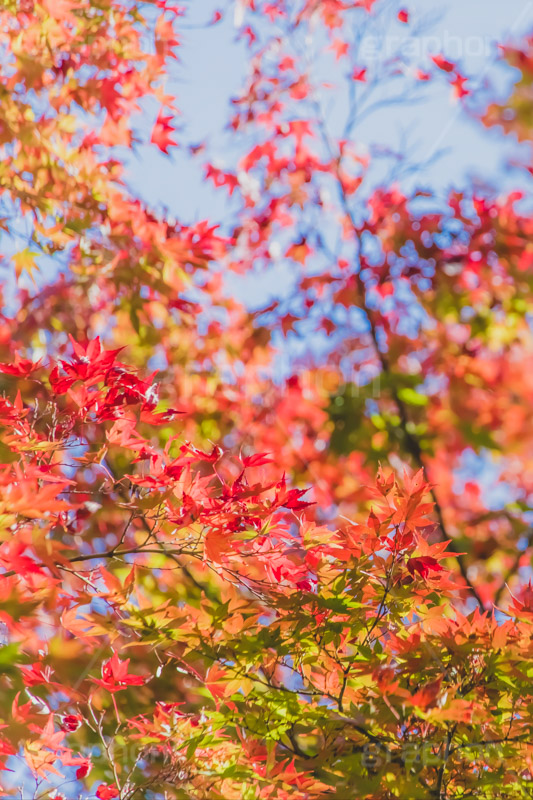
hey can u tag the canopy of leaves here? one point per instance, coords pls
(220, 584)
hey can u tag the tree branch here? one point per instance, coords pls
(411, 442)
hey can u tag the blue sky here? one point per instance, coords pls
(212, 70)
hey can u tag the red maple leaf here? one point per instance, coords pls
(84, 770)
(6, 749)
(115, 675)
(523, 606)
(221, 178)
(441, 63)
(424, 565)
(71, 722)
(36, 674)
(256, 460)
(21, 367)
(458, 84)
(162, 132)
(290, 498)
(107, 791)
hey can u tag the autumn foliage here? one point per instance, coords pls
(221, 579)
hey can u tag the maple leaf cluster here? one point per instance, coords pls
(188, 573)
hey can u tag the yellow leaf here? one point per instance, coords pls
(25, 261)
